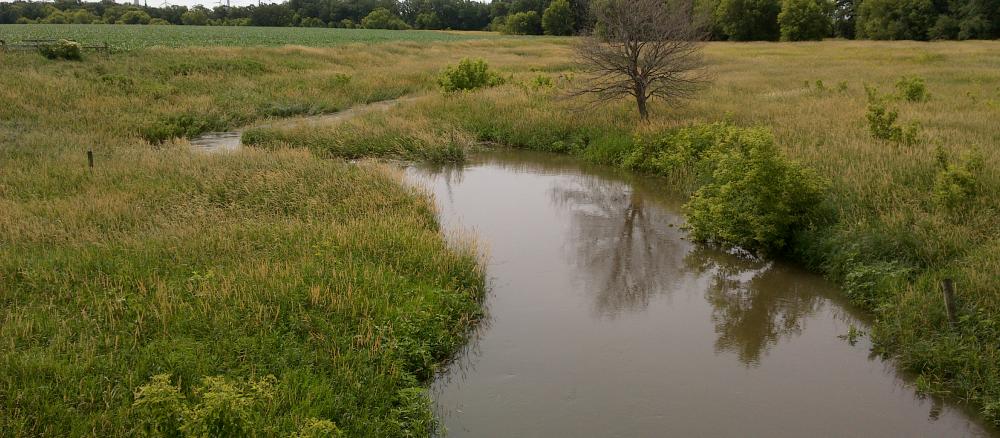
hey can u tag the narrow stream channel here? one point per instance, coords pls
(605, 322)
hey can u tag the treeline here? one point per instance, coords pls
(737, 20)
(564, 18)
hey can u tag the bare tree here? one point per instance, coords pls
(643, 48)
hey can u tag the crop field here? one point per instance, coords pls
(124, 37)
(308, 290)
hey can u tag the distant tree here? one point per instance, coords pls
(383, 18)
(312, 22)
(56, 17)
(977, 19)
(427, 20)
(274, 15)
(749, 20)
(558, 18)
(159, 22)
(83, 16)
(643, 50)
(134, 17)
(946, 27)
(524, 23)
(844, 18)
(895, 19)
(805, 20)
(195, 17)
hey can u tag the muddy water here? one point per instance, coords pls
(605, 322)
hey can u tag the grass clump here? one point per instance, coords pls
(469, 74)
(182, 126)
(370, 135)
(62, 49)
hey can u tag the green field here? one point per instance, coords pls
(286, 260)
(124, 37)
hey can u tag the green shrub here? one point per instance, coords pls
(160, 407)
(912, 89)
(225, 410)
(956, 184)
(469, 75)
(315, 428)
(755, 198)
(62, 49)
(222, 409)
(882, 125)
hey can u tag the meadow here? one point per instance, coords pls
(285, 260)
(124, 37)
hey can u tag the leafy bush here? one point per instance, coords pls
(314, 428)
(755, 198)
(912, 89)
(62, 49)
(222, 408)
(956, 184)
(160, 407)
(469, 75)
(882, 125)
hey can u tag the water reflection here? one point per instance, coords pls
(621, 246)
(755, 304)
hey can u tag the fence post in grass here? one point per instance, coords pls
(90, 158)
(948, 289)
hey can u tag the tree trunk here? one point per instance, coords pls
(640, 101)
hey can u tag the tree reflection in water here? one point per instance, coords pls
(755, 303)
(626, 248)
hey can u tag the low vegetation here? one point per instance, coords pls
(469, 74)
(160, 290)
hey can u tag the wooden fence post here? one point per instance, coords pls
(948, 289)
(90, 158)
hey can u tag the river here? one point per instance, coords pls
(605, 321)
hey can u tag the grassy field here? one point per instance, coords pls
(124, 37)
(333, 278)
